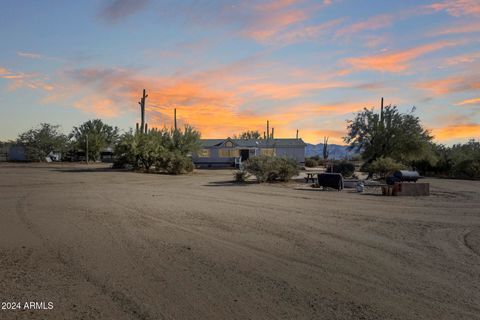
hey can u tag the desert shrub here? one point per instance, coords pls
(266, 168)
(259, 166)
(384, 166)
(240, 176)
(345, 168)
(174, 163)
(311, 163)
(286, 168)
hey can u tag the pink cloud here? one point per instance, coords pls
(457, 8)
(398, 61)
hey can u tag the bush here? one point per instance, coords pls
(286, 168)
(384, 166)
(174, 163)
(311, 163)
(266, 168)
(345, 168)
(467, 169)
(240, 176)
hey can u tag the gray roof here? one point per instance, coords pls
(252, 143)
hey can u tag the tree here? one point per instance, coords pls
(99, 134)
(388, 134)
(39, 142)
(251, 134)
(168, 150)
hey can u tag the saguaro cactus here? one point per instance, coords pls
(325, 148)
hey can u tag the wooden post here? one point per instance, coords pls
(175, 119)
(273, 133)
(268, 129)
(297, 134)
(146, 127)
(86, 153)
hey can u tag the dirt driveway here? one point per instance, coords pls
(101, 244)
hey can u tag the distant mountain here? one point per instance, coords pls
(336, 151)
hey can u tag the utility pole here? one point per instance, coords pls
(142, 111)
(381, 112)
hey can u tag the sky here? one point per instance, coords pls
(229, 66)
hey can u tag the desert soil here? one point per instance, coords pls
(103, 244)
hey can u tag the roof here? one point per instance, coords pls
(252, 143)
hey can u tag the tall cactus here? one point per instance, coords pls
(325, 148)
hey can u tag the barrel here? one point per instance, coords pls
(331, 180)
(406, 176)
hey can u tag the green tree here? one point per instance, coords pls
(39, 142)
(392, 134)
(99, 135)
(250, 134)
(168, 150)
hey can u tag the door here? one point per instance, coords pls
(244, 154)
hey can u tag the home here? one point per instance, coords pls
(229, 152)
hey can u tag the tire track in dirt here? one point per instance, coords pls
(472, 244)
(128, 305)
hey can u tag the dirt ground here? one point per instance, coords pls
(103, 244)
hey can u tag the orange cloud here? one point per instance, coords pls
(316, 136)
(475, 101)
(457, 131)
(398, 61)
(98, 106)
(281, 21)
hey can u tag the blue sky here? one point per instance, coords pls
(228, 66)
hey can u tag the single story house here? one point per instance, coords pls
(231, 152)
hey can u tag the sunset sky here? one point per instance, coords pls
(228, 66)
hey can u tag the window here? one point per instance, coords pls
(229, 144)
(268, 152)
(228, 153)
(204, 153)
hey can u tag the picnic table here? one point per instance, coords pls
(311, 176)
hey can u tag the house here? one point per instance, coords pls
(231, 152)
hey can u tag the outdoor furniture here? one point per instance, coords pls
(310, 176)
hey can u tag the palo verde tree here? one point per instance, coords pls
(391, 134)
(250, 134)
(39, 142)
(98, 134)
(169, 150)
